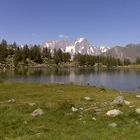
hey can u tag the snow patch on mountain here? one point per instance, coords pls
(70, 49)
(79, 40)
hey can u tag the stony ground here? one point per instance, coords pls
(33, 111)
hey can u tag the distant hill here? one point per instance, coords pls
(131, 51)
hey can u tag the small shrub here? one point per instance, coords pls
(65, 105)
(103, 89)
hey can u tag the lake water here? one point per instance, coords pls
(125, 80)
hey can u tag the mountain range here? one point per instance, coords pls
(83, 46)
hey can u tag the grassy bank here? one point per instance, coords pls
(58, 121)
(131, 67)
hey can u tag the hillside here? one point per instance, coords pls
(131, 51)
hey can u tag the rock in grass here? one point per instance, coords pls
(80, 119)
(118, 100)
(93, 118)
(89, 109)
(104, 104)
(132, 106)
(127, 102)
(114, 113)
(37, 112)
(138, 110)
(137, 96)
(59, 91)
(74, 109)
(11, 101)
(88, 98)
(98, 110)
(31, 104)
(113, 125)
(81, 108)
(136, 122)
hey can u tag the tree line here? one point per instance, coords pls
(91, 60)
(32, 53)
(36, 54)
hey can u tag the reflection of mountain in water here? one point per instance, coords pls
(125, 80)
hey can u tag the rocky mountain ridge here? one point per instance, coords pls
(83, 46)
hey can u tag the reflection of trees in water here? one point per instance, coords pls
(62, 72)
(137, 72)
(49, 71)
(40, 72)
(85, 71)
(7, 73)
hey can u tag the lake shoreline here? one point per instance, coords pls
(4, 67)
(121, 79)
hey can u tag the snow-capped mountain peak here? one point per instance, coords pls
(79, 40)
(81, 45)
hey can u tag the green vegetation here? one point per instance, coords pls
(58, 121)
(90, 60)
(3, 50)
(138, 60)
(12, 56)
(28, 55)
(60, 56)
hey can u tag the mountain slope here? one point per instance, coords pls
(131, 51)
(56, 44)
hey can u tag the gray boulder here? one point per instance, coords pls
(88, 98)
(137, 96)
(118, 100)
(93, 118)
(37, 112)
(138, 110)
(127, 102)
(31, 104)
(113, 125)
(114, 113)
(74, 109)
(11, 101)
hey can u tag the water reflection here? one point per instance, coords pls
(125, 80)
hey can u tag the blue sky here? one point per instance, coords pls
(102, 22)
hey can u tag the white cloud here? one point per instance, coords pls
(63, 36)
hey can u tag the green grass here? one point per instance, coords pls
(58, 121)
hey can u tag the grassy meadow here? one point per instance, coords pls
(59, 122)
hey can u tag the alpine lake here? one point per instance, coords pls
(122, 80)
